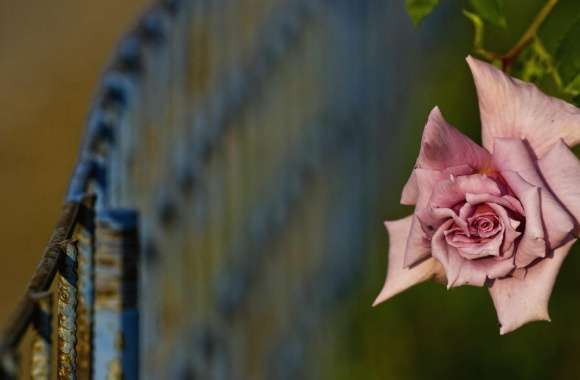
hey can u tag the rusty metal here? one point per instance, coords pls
(116, 317)
(40, 367)
(66, 305)
(41, 280)
(84, 235)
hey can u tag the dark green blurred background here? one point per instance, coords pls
(51, 54)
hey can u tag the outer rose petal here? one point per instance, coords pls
(425, 181)
(418, 247)
(561, 170)
(443, 146)
(513, 155)
(512, 108)
(400, 278)
(410, 191)
(476, 272)
(520, 301)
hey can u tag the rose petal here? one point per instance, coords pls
(474, 250)
(410, 191)
(418, 247)
(521, 301)
(513, 155)
(519, 273)
(450, 192)
(466, 210)
(476, 272)
(561, 170)
(418, 188)
(432, 218)
(451, 261)
(400, 278)
(511, 108)
(443, 146)
(488, 216)
(532, 245)
(506, 201)
(510, 234)
(427, 179)
(460, 271)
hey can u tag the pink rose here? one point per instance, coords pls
(504, 215)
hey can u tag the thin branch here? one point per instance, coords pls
(509, 57)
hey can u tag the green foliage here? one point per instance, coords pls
(491, 11)
(568, 59)
(419, 9)
(537, 63)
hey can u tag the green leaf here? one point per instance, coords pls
(491, 11)
(419, 9)
(568, 56)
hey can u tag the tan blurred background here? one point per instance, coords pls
(51, 56)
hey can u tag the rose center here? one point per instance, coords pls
(484, 226)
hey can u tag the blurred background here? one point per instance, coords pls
(364, 57)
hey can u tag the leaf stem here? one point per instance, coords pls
(478, 31)
(508, 58)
